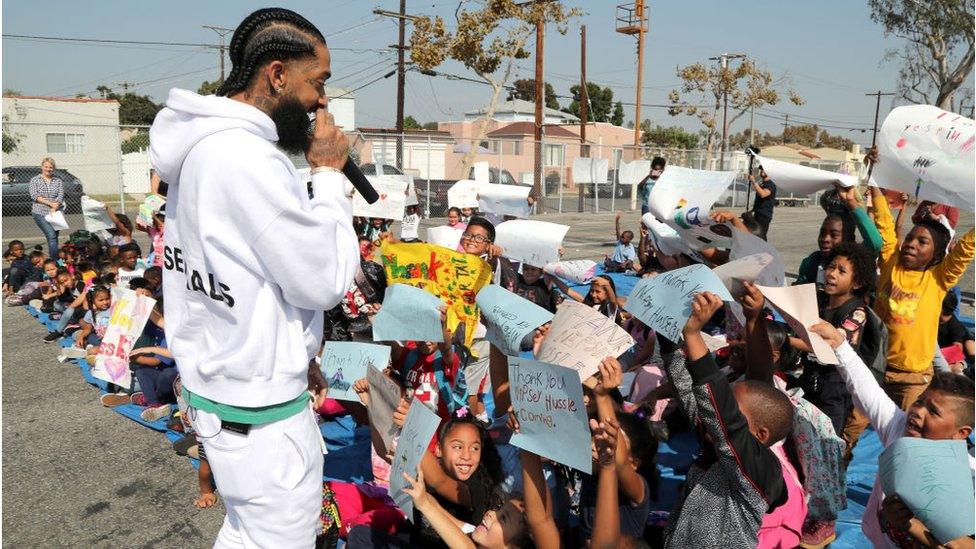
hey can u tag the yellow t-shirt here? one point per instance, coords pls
(909, 302)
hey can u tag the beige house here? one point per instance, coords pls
(81, 134)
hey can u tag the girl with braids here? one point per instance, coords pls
(95, 322)
(243, 239)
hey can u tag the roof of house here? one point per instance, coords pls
(437, 134)
(528, 128)
(521, 106)
(339, 93)
(61, 99)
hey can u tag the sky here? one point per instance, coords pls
(830, 52)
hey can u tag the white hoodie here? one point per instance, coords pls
(250, 263)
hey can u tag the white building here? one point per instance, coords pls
(81, 134)
(519, 110)
(342, 107)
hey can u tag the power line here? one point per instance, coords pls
(147, 42)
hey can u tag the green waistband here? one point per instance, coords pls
(250, 416)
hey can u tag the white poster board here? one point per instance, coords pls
(580, 338)
(928, 153)
(95, 214)
(683, 197)
(667, 240)
(533, 242)
(482, 175)
(463, 194)
(446, 236)
(632, 173)
(130, 311)
(797, 179)
(798, 306)
(504, 199)
(590, 170)
(392, 190)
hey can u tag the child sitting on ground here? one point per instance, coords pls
(128, 261)
(943, 411)
(96, 320)
(737, 479)
(69, 299)
(624, 255)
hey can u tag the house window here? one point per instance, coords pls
(65, 142)
(554, 155)
(585, 151)
(517, 148)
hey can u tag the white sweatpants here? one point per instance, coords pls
(270, 480)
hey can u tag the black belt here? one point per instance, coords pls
(234, 427)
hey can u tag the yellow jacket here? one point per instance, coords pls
(909, 302)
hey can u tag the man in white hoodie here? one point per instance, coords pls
(250, 264)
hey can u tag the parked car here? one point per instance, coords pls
(727, 199)
(370, 168)
(608, 189)
(496, 177)
(16, 194)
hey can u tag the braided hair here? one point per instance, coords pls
(269, 33)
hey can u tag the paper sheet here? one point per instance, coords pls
(463, 194)
(509, 318)
(418, 430)
(682, 198)
(580, 338)
(384, 396)
(664, 302)
(130, 312)
(392, 190)
(632, 173)
(798, 306)
(345, 362)
(408, 314)
(590, 170)
(580, 271)
(504, 199)
(529, 241)
(797, 179)
(95, 214)
(445, 236)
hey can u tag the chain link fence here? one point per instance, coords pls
(110, 163)
(107, 162)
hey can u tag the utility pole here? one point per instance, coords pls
(786, 126)
(222, 32)
(752, 126)
(632, 19)
(540, 36)
(401, 47)
(877, 111)
(584, 106)
(724, 60)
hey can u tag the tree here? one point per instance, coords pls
(10, 139)
(137, 142)
(133, 109)
(938, 56)
(673, 137)
(10, 92)
(487, 39)
(209, 88)
(410, 123)
(600, 102)
(808, 135)
(746, 84)
(430, 126)
(617, 118)
(524, 88)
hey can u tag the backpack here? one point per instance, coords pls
(80, 237)
(873, 348)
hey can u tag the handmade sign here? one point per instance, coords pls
(509, 318)
(408, 314)
(797, 179)
(664, 302)
(384, 396)
(345, 362)
(463, 194)
(798, 307)
(529, 241)
(667, 240)
(504, 199)
(590, 170)
(934, 480)
(580, 337)
(393, 197)
(418, 430)
(482, 173)
(580, 271)
(928, 153)
(745, 244)
(149, 207)
(95, 214)
(445, 236)
(682, 198)
(548, 401)
(452, 276)
(744, 269)
(632, 173)
(130, 311)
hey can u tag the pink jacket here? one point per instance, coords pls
(781, 528)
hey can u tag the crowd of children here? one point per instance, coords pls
(774, 425)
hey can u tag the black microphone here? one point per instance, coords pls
(358, 180)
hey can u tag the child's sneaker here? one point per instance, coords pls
(138, 399)
(114, 399)
(53, 336)
(155, 413)
(36, 303)
(817, 534)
